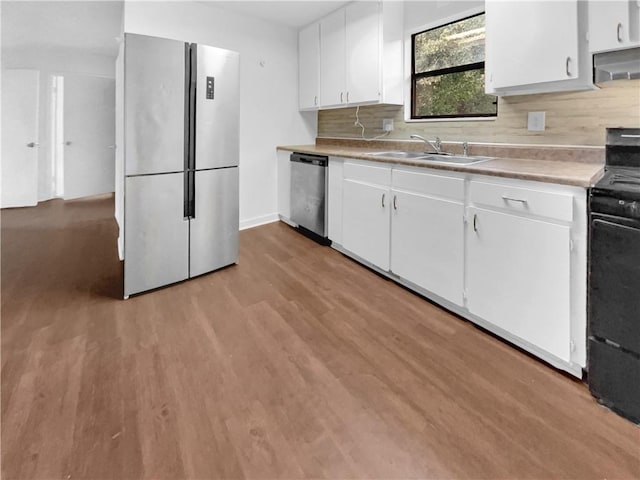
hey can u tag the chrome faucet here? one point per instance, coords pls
(436, 144)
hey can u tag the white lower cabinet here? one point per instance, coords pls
(365, 213)
(526, 265)
(507, 254)
(334, 199)
(284, 185)
(518, 277)
(427, 232)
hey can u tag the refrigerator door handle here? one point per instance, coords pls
(189, 194)
(192, 194)
(193, 81)
(186, 209)
(187, 106)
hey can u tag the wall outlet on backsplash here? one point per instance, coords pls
(387, 124)
(535, 121)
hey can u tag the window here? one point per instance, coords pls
(447, 76)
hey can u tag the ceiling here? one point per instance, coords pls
(294, 14)
(87, 26)
(92, 26)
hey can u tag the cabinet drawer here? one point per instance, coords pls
(428, 184)
(363, 172)
(554, 205)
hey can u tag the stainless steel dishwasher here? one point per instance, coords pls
(309, 195)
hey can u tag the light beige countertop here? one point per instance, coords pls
(578, 166)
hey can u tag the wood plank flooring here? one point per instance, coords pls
(296, 363)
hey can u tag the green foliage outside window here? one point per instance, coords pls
(448, 71)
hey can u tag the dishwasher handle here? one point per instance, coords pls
(309, 159)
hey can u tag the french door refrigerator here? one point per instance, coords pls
(181, 121)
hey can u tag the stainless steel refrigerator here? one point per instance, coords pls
(181, 121)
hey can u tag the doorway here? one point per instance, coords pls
(57, 136)
(20, 142)
(88, 138)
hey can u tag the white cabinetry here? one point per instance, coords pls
(332, 59)
(366, 202)
(334, 199)
(613, 24)
(362, 52)
(427, 231)
(361, 55)
(534, 47)
(309, 67)
(519, 265)
(509, 255)
(284, 185)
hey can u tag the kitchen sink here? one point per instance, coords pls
(401, 155)
(432, 157)
(456, 159)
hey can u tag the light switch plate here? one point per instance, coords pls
(535, 121)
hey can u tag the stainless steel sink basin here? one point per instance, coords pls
(401, 155)
(432, 157)
(456, 159)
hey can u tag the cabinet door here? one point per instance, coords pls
(518, 277)
(334, 197)
(332, 59)
(309, 67)
(365, 221)
(613, 24)
(427, 237)
(530, 42)
(363, 52)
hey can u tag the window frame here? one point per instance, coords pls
(414, 77)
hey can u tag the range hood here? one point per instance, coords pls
(618, 65)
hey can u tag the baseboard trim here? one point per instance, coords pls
(257, 221)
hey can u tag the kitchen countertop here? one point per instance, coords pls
(561, 171)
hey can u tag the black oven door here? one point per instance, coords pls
(614, 281)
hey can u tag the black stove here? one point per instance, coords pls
(622, 167)
(614, 277)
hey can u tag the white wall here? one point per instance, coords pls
(53, 62)
(268, 87)
(420, 14)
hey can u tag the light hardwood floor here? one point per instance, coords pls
(296, 363)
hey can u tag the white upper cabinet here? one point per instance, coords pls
(613, 24)
(363, 52)
(535, 47)
(361, 55)
(309, 67)
(332, 59)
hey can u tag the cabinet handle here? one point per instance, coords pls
(511, 199)
(347, 97)
(383, 200)
(395, 207)
(619, 33)
(341, 101)
(568, 62)
(475, 222)
(315, 100)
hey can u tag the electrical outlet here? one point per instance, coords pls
(387, 124)
(535, 121)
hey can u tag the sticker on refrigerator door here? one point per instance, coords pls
(210, 87)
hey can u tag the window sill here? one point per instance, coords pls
(459, 119)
